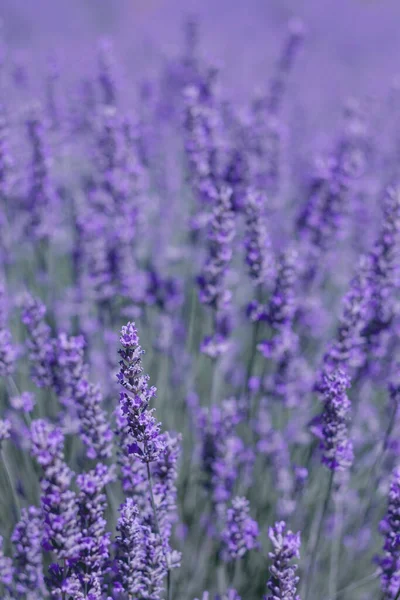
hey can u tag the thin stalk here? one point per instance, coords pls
(315, 542)
(335, 549)
(10, 485)
(252, 400)
(213, 380)
(355, 585)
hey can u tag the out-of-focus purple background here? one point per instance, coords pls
(352, 46)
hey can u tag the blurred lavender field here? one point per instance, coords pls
(199, 300)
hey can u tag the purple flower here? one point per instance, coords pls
(133, 472)
(240, 532)
(85, 397)
(92, 504)
(280, 310)
(7, 353)
(201, 122)
(147, 443)
(106, 77)
(164, 473)
(139, 556)
(257, 243)
(7, 350)
(390, 527)
(24, 402)
(222, 451)
(6, 162)
(40, 197)
(284, 65)
(6, 568)
(59, 504)
(383, 271)
(212, 285)
(5, 429)
(39, 344)
(347, 349)
(283, 580)
(331, 426)
(222, 230)
(28, 561)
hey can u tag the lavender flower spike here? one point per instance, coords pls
(139, 556)
(61, 522)
(7, 353)
(283, 580)
(39, 344)
(147, 442)
(92, 505)
(337, 449)
(27, 538)
(240, 532)
(257, 243)
(390, 527)
(222, 230)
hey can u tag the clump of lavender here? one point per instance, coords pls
(212, 280)
(347, 349)
(24, 402)
(6, 185)
(5, 430)
(39, 344)
(222, 229)
(59, 503)
(240, 532)
(200, 129)
(257, 243)
(164, 474)
(132, 470)
(331, 426)
(52, 85)
(139, 556)
(283, 580)
(222, 450)
(7, 353)
(40, 196)
(86, 398)
(390, 561)
(6, 161)
(6, 568)
(7, 349)
(147, 442)
(383, 276)
(284, 65)
(27, 555)
(106, 75)
(280, 311)
(95, 540)
(58, 363)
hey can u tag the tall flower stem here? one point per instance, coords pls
(315, 542)
(10, 484)
(335, 550)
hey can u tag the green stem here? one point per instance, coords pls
(10, 485)
(335, 551)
